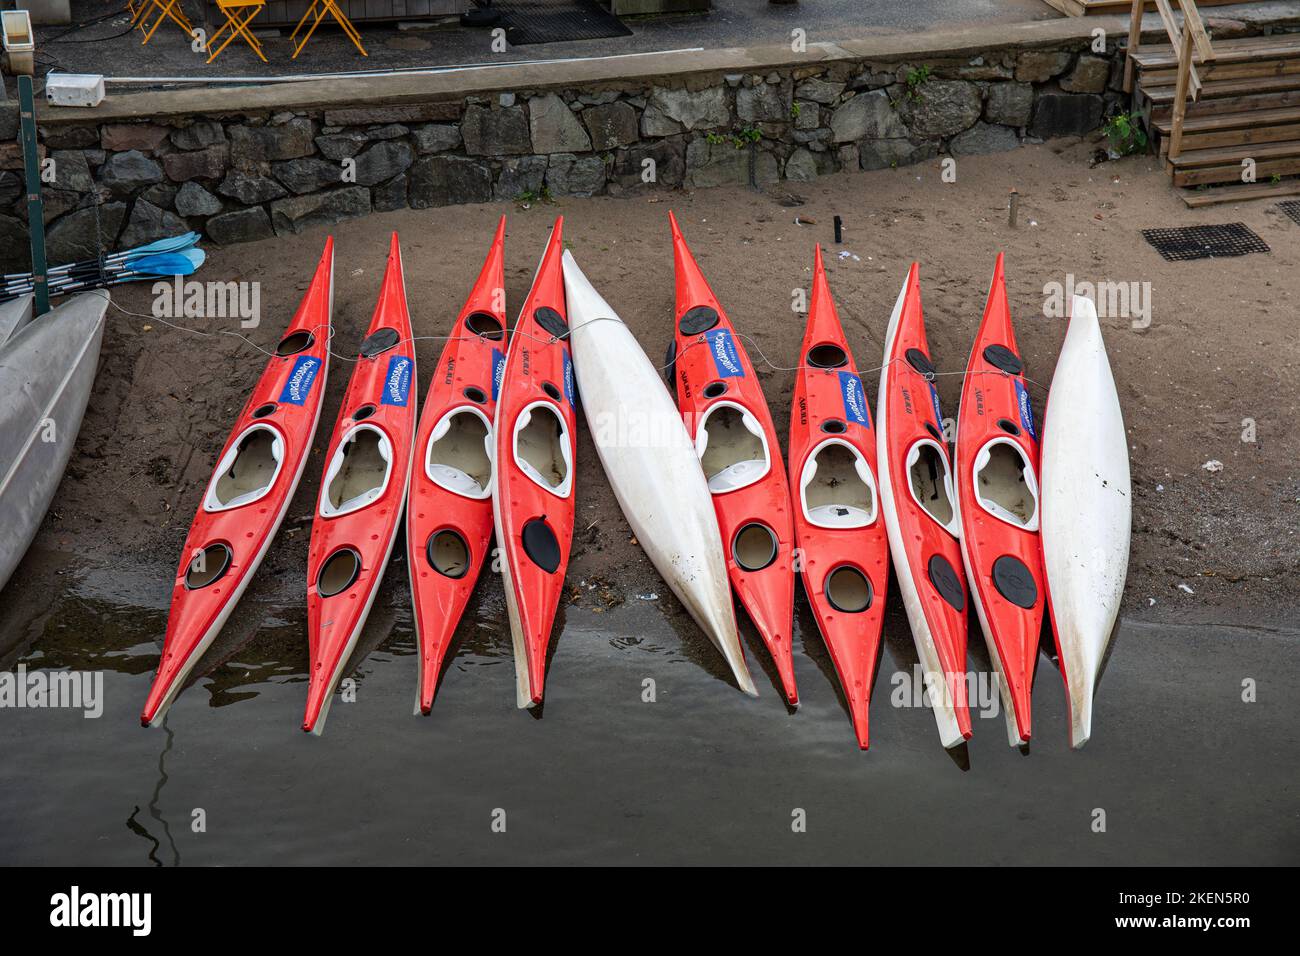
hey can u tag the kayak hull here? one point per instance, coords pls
(1087, 510)
(449, 508)
(839, 530)
(47, 371)
(363, 491)
(915, 469)
(997, 489)
(722, 403)
(14, 315)
(251, 487)
(651, 465)
(535, 431)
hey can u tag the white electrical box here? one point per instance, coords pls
(74, 89)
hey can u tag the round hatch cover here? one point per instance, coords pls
(947, 583)
(1001, 357)
(380, 341)
(697, 320)
(1014, 581)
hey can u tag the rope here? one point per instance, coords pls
(549, 340)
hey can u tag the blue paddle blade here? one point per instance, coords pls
(170, 244)
(163, 264)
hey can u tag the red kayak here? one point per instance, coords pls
(997, 487)
(449, 510)
(837, 523)
(536, 452)
(256, 475)
(920, 512)
(725, 412)
(367, 468)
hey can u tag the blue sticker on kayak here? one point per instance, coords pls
(855, 401)
(725, 354)
(1026, 410)
(301, 379)
(397, 383)
(568, 377)
(938, 415)
(498, 372)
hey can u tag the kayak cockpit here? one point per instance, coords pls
(1005, 484)
(458, 455)
(836, 488)
(248, 470)
(358, 473)
(542, 448)
(930, 483)
(732, 448)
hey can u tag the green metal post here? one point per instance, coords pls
(35, 207)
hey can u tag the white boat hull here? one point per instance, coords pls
(46, 373)
(1087, 510)
(651, 464)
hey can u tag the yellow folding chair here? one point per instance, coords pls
(239, 14)
(320, 9)
(167, 10)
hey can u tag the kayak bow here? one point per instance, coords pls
(449, 510)
(842, 541)
(997, 492)
(722, 403)
(536, 452)
(367, 469)
(250, 490)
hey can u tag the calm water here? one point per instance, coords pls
(1185, 772)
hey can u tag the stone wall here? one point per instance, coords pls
(248, 176)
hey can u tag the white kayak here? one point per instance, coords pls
(14, 314)
(47, 370)
(651, 464)
(1087, 510)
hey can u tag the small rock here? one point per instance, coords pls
(1038, 66)
(554, 128)
(983, 138)
(501, 132)
(132, 136)
(193, 200)
(446, 180)
(250, 188)
(297, 213)
(611, 125)
(526, 174)
(242, 225)
(126, 172)
(1088, 76)
(199, 135)
(436, 138)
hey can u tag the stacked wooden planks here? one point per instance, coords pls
(1246, 117)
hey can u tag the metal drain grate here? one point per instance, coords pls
(1292, 208)
(557, 21)
(1184, 243)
